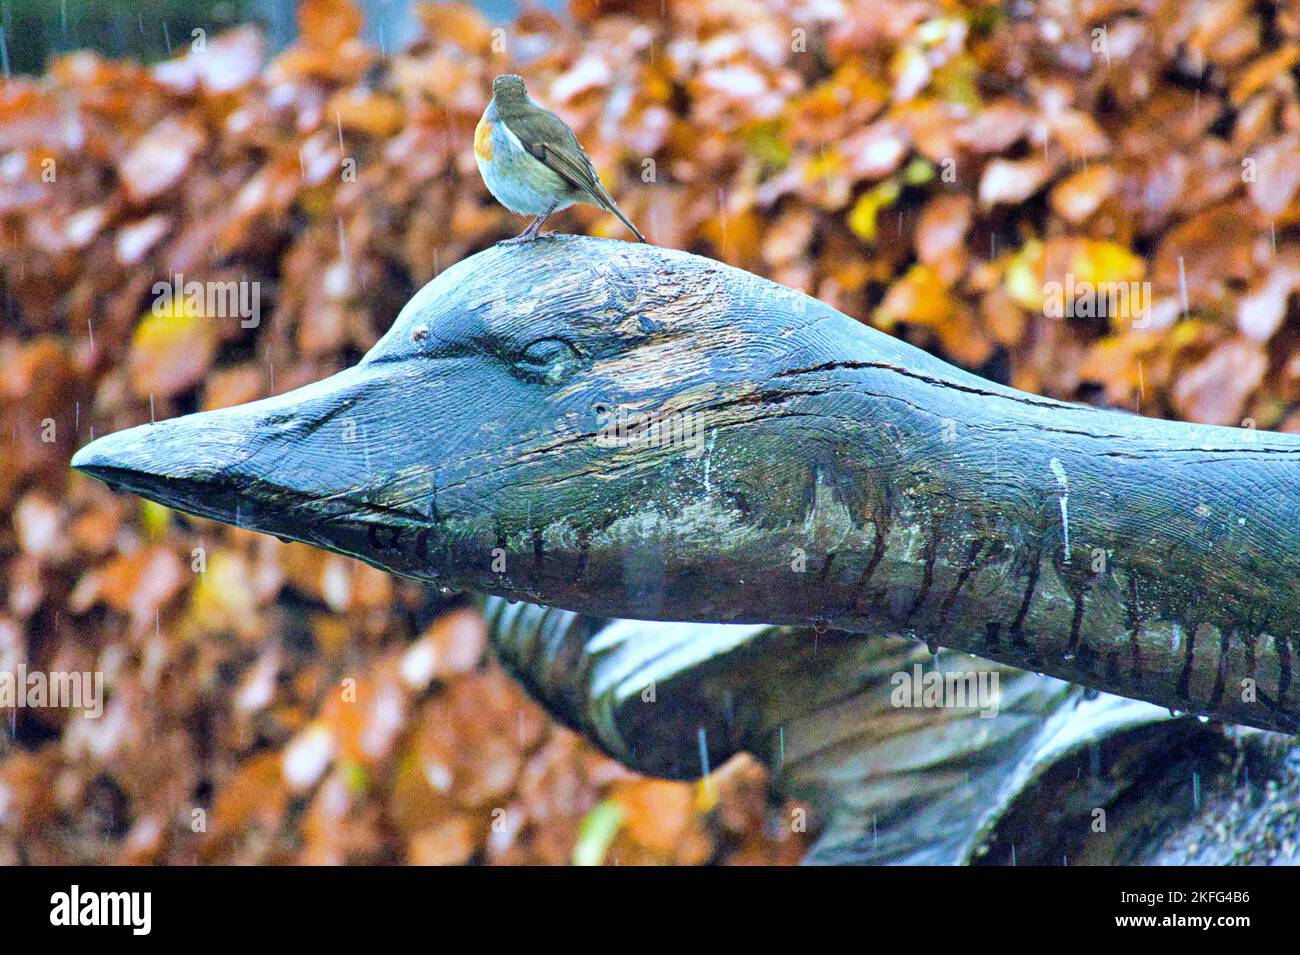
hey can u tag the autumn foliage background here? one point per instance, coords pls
(923, 165)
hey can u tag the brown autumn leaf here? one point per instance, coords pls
(37, 522)
(1077, 197)
(328, 23)
(135, 239)
(1262, 309)
(454, 643)
(1012, 181)
(452, 842)
(160, 158)
(222, 64)
(1205, 253)
(226, 387)
(941, 235)
(94, 530)
(657, 814)
(876, 151)
(996, 128)
(142, 583)
(254, 795)
(1079, 133)
(458, 23)
(786, 239)
(366, 112)
(1276, 175)
(1264, 71)
(1215, 390)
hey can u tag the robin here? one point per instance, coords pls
(532, 162)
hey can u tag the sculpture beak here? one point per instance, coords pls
(282, 465)
(192, 463)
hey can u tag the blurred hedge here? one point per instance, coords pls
(926, 166)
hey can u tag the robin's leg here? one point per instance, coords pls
(524, 236)
(529, 233)
(536, 227)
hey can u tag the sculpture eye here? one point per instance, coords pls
(548, 359)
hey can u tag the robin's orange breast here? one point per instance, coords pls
(483, 140)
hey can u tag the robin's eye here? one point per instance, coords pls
(548, 359)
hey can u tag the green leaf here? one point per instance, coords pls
(154, 518)
(597, 833)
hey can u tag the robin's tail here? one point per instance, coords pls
(607, 201)
(626, 221)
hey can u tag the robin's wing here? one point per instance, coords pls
(578, 170)
(547, 138)
(574, 167)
